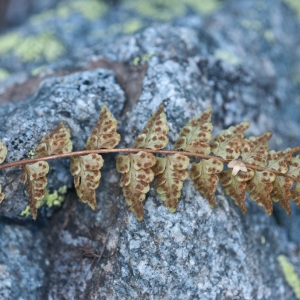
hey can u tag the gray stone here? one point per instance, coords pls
(196, 253)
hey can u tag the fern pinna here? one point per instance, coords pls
(267, 176)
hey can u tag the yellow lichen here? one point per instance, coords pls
(139, 60)
(204, 6)
(56, 198)
(163, 10)
(37, 71)
(269, 36)
(290, 274)
(136, 61)
(90, 9)
(295, 5)
(26, 212)
(51, 199)
(3, 74)
(42, 46)
(132, 26)
(9, 42)
(63, 10)
(147, 56)
(226, 56)
(31, 154)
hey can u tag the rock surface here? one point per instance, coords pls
(190, 64)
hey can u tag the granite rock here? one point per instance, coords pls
(197, 253)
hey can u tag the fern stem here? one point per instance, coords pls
(131, 150)
(100, 151)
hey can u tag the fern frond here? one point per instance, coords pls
(195, 135)
(34, 175)
(278, 161)
(204, 176)
(56, 142)
(104, 135)
(136, 177)
(228, 142)
(295, 194)
(260, 187)
(294, 172)
(136, 168)
(154, 135)
(254, 150)
(86, 168)
(268, 176)
(86, 172)
(3, 153)
(235, 186)
(281, 192)
(171, 171)
(2, 195)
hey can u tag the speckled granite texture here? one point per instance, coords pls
(235, 59)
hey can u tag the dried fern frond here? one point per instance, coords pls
(136, 168)
(56, 142)
(281, 192)
(204, 176)
(2, 195)
(235, 186)
(195, 135)
(3, 153)
(86, 168)
(154, 135)
(35, 177)
(278, 161)
(136, 177)
(295, 194)
(260, 187)
(171, 171)
(104, 135)
(228, 142)
(294, 172)
(255, 149)
(86, 172)
(268, 176)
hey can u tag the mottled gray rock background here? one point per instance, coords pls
(240, 57)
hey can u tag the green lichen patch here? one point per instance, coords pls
(295, 5)
(56, 198)
(204, 6)
(90, 9)
(290, 274)
(144, 58)
(163, 10)
(132, 25)
(9, 42)
(26, 212)
(50, 200)
(3, 74)
(228, 57)
(32, 48)
(42, 46)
